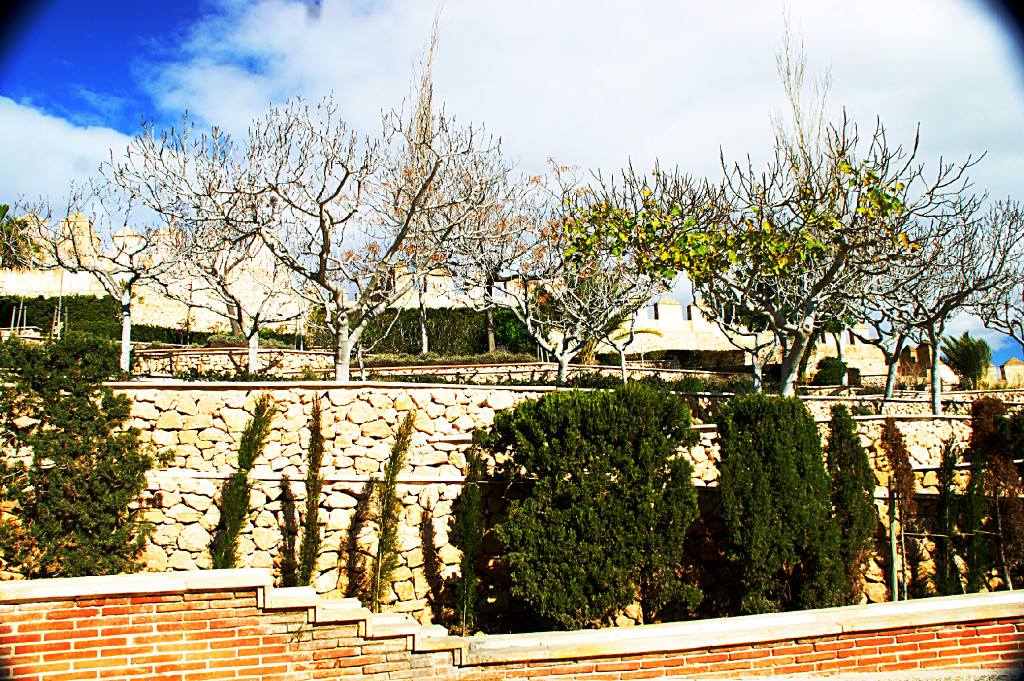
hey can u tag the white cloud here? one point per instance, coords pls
(596, 83)
(42, 153)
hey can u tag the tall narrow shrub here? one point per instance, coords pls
(776, 506)
(387, 514)
(607, 503)
(976, 549)
(236, 491)
(853, 504)
(70, 468)
(901, 496)
(309, 547)
(947, 575)
(469, 529)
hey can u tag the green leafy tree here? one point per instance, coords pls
(235, 494)
(853, 506)
(387, 514)
(607, 502)
(969, 358)
(309, 548)
(776, 506)
(70, 466)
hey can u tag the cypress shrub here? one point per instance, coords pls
(853, 505)
(309, 547)
(469, 531)
(776, 506)
(947, 575)
(976, 550)
(387, 513)
(901, 490)
(80, 468)
(235, 493)
(606, 507)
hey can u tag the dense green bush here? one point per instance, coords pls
(853, 505)
(607, 502)
(776, 506)
(450, 331)
(72, 497)
(830, 371)
(309, 548)
(387, 515)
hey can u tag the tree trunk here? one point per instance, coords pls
(254, 352)
(622, 364)
(342, 350)
(126, 331)
(236, 326)
(489, 321)
(791, 363)
(890, 378)
(936, 374)
(424, 343)
(563, 367)
(839, 355)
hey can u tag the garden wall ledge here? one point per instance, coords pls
(749, 630)
(140, 584)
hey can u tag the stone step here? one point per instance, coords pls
(391, 624)
(342, 610)
(292, 597)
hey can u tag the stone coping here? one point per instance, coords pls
(224, 351)
(741, 631)
(165, 384)
(139, 584)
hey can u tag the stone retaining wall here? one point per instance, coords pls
(201, 424)
(234, 624)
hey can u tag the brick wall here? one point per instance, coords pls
(233, 624)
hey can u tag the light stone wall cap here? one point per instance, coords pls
(141, 584)
(745, 630)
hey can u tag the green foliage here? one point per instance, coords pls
(469, 529)
(830, 371)
(69, 465)
(236, 491)
(309, 548)
(947, 575)
(994, 441)
(969, 358)
(607, 502)
(775, 499)
(89, 314)
(853, 505)
(976, 550)
(450, 331)
(387, 513)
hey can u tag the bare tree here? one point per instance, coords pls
(1002, 307)
(344, 219)
(101, 233)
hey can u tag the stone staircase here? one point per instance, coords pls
(421, 637)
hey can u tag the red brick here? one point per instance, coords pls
(23, 638)
(620, 666)
(72, 613)
(126, 650)
(61, 625)
(792, 650)
(996, 647)
(132, 630)
(828, 665)
(815, 657)
(41, 669)
(996, 629)
(68, 635)
(125, 671)
(156, 658)
(664, 662)
(160, 638)
(53, 646)
(154, 599)
(913, 638)
(795, 669)
(922, 655)
(642, 674)
(179, 666)
(750, 654)
(100, 643)
(834, 645)
(710, 658)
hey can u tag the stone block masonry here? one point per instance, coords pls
(233, 624)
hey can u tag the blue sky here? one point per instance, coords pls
(596, 83)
